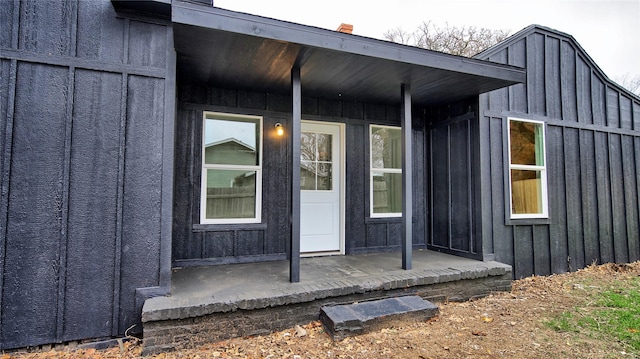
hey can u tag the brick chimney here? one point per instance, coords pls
(346, 28)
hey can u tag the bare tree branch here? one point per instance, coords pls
(630, 81)
(463, 41)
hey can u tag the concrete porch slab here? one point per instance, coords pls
(209, 304)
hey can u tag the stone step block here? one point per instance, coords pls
(341, 321)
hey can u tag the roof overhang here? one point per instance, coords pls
(229, 49)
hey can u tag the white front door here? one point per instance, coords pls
(321, 182)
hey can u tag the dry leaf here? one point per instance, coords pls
(300, 332)
(478, 333)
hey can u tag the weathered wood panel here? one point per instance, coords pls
(503, 235)
(559, 249)
(46, 27)
(568, 82)
(355, 196)
(620, 246)
(583, 91)
(589, 203)
(613, 107)
(100, 33)
(34, 221)
(69, 145)
(142, 190)
(631, 196)
(603, 185)
(93, 203)
(535, 75)
(523, 251)
(518, 93)
(460, 186)
(598, 102)
(453, 177)
(553, 72)
(440, 191)
(541, 250)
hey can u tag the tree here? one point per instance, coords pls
(630, 81)
(464, 41)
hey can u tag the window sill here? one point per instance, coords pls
(526, 221)
(197, 227)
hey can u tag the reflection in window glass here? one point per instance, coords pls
(231, 141)
(386, 171)
(316, 168)
(387, 192)
(528, 178)
(231, 168)
(526, 189)
(231, 194)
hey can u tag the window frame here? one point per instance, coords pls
(206, 166)
(383, 171)
(542, 169)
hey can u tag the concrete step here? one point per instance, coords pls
(341, 321)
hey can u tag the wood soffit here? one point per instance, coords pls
(229, 49)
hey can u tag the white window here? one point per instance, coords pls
(527, 169)
(385, 196)
(231, 189)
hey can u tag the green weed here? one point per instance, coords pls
(611, 314)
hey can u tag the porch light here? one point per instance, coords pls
(279, 129)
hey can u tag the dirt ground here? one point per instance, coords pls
(503, 325)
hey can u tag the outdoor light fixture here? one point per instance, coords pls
(279, 129)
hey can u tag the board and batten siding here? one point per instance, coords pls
(203, 244)
(452, 181)
(593, 159)
(85, 162)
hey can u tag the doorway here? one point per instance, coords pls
(322, 188)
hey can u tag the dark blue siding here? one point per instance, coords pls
(592, 156)
(83, 128)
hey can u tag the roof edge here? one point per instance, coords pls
(535, 28)
(254, 25)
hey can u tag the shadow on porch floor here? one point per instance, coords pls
(217, 302)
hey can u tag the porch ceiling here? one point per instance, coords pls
(235, 50)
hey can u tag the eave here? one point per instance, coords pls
(228, 49)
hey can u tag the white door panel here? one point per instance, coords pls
(321, 188)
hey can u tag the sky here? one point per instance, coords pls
(608, 30)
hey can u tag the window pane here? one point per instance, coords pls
(231, 141)
(324, 176)
(387, 192)
(324, 146)
(526, 192)
(386, 147)
(526, 143)
(231, 194)
(308, 146)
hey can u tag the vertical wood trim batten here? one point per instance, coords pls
(431, 194)
(296, 132)
(449, 199)
(611, 200)
(64, 206)
(407, 178)
(6, 171)
(115, 320)
(470, 181)
(66, 173)
(15, 30)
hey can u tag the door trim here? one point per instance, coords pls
(342, 180)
